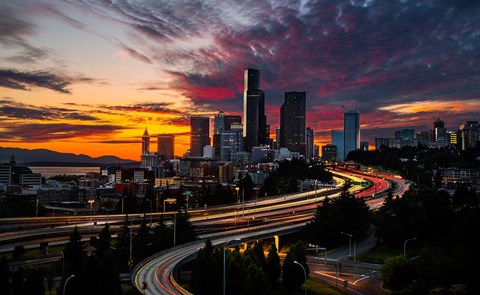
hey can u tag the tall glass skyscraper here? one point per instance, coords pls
(254, 120)
(292, 121)
(351, 126)
(199, 135)
(166, 145)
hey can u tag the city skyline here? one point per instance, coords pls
(87, 77)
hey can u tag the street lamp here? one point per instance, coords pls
(305, 275)
(91, 208)
(66, 282)
(224, 265)
(316, 188)
(130, 262)
(405, 247)
(63, 263)
(350, 245)
(237, 189)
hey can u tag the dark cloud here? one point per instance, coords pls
(23, 80)
(51, 132)
(13, 109)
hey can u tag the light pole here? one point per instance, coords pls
(63, 262)
(130, 262)
(36, 206)
(224, 265)
(91, 208)
(405, 247)
(349, 242)
(316, 188)
(66, 282)
(237, 189)
(304, 273)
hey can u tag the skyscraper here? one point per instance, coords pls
(254, 120)
(165, 145)
(292, 122)
(338, 140)
(222, 123)
(310, 144)
(439, 131)
(199, 135)
(351, 126)
(145, 143)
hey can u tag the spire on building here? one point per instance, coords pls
(145, 134)
(12, 160)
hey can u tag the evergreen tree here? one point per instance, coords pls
(104, 240)
(4, 275)
(74, 254)
(273, 268)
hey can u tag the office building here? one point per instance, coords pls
(165, 146)
(254, 119)
(439, 131)
(329, 153)
(364, 146)
(231, 143)
(351, 126)
(469, 134)
(339, 141)
(292, 122)
(222, 123)
(199, 135)
(310, 144)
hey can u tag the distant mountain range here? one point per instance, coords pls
(41, 156)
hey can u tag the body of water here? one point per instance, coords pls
(53, 171)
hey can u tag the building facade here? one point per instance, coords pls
(254, 119)
(351, 126)
(293, 121)
(166, 146)
(338, 141)
(199, 135)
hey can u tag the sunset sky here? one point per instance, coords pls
(87, 76)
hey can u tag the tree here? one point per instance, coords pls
(185, 230)
(293, 275)
(207, 270)
(397, 273)
(74, 254)
(105, 237)
(4, 275)
(273, 268)
(344, 214)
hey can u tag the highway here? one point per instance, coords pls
(157, 271)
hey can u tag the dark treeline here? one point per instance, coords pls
(417, 163)
(447, 231)
(250, 273)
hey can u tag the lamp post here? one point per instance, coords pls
(349, 242)
(63, 262)
(316, 188)
(130, 262)
(305, 275)
(66, 282)
(36, 206)
(224, 265)
(237, 189)
(91, 208)
(405, 247)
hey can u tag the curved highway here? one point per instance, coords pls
(156, 272)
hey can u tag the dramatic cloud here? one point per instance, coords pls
(23, 80)
(16, 110)
(50, 132)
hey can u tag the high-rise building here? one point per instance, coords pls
(231, 143)
(222, 123)
(145, 142)
(338, 140)
(166, 145)
(439, 131)
(254, 120)
(329, 152)
(310, 144)
(293, 122)
(351, 126)
(469, 134)
(199, 135)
